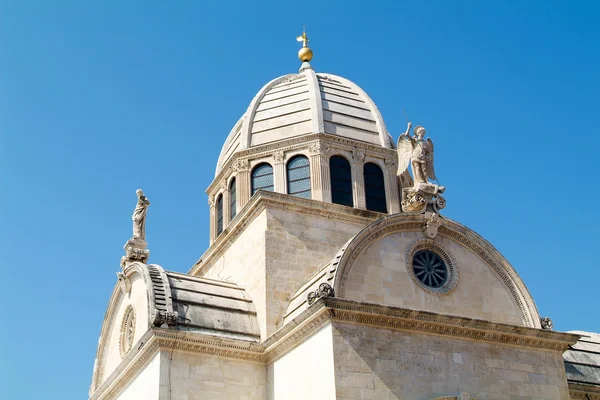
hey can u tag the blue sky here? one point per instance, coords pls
(99, 98)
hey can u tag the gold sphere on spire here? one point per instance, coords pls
(304, 54)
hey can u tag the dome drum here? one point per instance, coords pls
(317, 149)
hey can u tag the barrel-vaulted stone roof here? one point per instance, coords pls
(582, 360)
(304, 103)
(213, 307)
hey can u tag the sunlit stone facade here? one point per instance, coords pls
(330, 292)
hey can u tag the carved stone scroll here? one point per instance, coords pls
(324, 290)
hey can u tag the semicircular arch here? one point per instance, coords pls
(454, 231)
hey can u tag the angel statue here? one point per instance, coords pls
(418, 152)
(418, 193)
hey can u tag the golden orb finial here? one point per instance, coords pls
(305, 54)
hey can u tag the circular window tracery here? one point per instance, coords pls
(431, 267)
(127, 331)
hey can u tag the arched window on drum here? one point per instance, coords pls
(262, 178)
(232, 200)
(375, 188)
(341, 181)
(219, 214)
(298, 177)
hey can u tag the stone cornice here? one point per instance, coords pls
(447, 325)
(583, 391)
(263, 200)
(324, 311)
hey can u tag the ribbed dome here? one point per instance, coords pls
(305, 103)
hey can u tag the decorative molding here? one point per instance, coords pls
(582, 391)
(463, 396)
(446, 325)
(324, 311)
(328, 141)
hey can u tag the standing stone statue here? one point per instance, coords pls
(135, 248)
(418, 152)
(418, 194)
(139, 216)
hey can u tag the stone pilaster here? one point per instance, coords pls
(279, 172)
(391, 186)
(225, 192)
(242, 181)
(316, 178)
(358, 179)
(213, 218)
(320, 180)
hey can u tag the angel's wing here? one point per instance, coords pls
(430, 170)
(405, 150)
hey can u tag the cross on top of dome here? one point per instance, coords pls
(305, 54)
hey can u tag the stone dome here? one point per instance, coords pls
(304, 103)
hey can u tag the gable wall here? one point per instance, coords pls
(138, 298)
(380, 275)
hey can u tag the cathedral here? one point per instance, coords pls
(331, 273)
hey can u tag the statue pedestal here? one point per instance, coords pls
(423, 197)
(135, 250)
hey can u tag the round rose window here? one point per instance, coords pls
(430, 269)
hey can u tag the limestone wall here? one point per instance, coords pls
(198, 377)
(275, 254)
(380, 275)
(145, 384)
(244, 264)
(297, 246)
(307, 372)
(373, 363)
